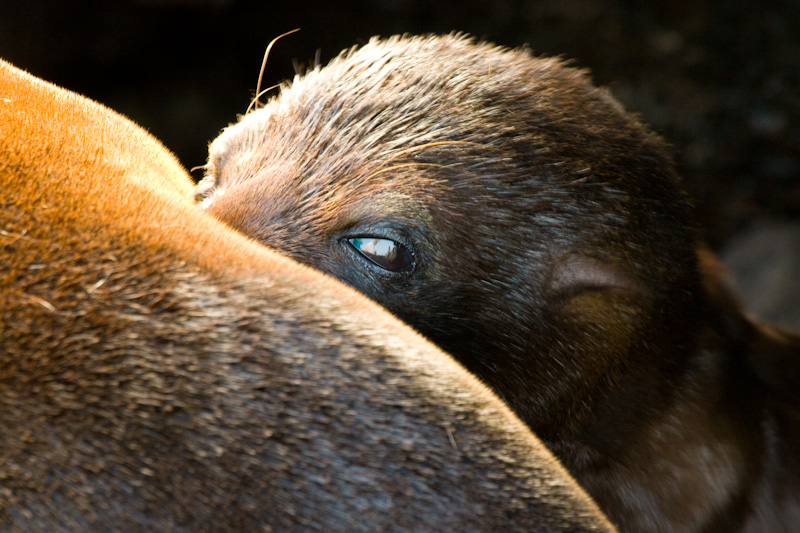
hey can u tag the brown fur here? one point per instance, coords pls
(553, 254)
(159, 372)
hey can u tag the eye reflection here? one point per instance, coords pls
(385, 253)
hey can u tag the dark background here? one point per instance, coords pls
(719, 79)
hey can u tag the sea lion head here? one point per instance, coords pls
(501, 204)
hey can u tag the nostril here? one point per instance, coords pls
(204, 190)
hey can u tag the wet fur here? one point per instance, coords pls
(555, 257)
(159, 372)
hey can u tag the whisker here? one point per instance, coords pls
(268, 89)
(264, 66)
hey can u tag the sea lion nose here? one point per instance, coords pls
(204, 190)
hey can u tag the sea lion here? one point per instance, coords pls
(160, 372)
(522, 220)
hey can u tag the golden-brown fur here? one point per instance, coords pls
(159, 372)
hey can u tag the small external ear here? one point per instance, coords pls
(605, 302)
(204, 190)
(578, 273)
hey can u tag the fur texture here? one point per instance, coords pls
(159, 372)
(552, 253)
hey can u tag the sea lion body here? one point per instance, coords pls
(160, 372)
(522, 220)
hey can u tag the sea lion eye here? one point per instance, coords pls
(386, 253)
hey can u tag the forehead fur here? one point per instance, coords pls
(371, 102)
